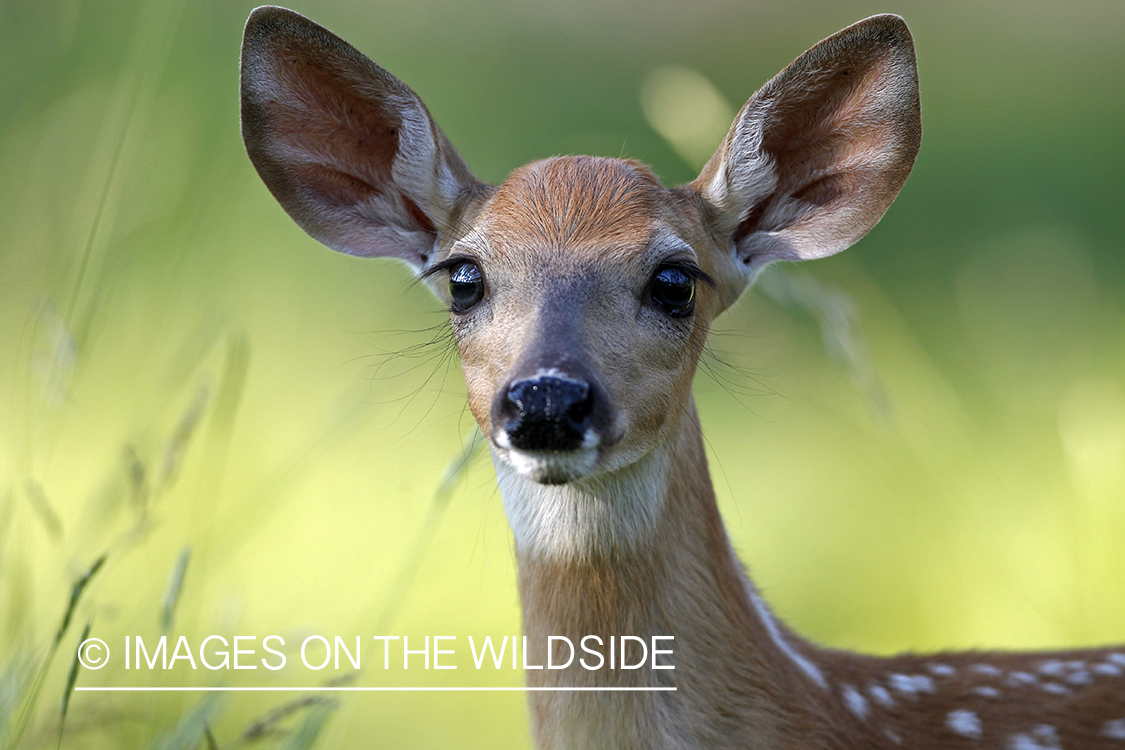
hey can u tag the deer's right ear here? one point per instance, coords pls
(348, 150)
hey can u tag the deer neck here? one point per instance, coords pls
(643, 552)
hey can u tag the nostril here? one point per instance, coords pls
(582, 406)
(548, 412)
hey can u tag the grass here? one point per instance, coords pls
(916, 445)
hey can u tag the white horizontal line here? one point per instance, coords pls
(367, 689)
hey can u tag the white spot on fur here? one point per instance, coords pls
(1079, 678)
(911, 684)
(857, 704)
(803, 663)
(987, 691)
(1118, 659)
(881, 695)
(1109, 670)
(1042, 737)
(942, 670)
(1053, 668)
(892, 735)
(1017, 679)
(987, 669)
(1115, 729)
(1055, 688)
(965, 723)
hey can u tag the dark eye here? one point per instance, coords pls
(673, 291)
(466, 286)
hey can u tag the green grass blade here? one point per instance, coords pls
(32, 695)
(270, 723)
(230, 386)
(470, 448)
(44, 512)
(304, 737)
(412, 561)
(16, 676)
(75, 595)
(843, 339)
(172, 592)
(185, 429)
(192, 727)
(71, 679)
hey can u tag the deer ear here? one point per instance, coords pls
(815, 158)
(348, 150)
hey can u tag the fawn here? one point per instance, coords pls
(580, 293)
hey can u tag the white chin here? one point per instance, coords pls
(553, 468)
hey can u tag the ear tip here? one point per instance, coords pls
(275, 14)
(262, 25)
(887, 23)
(886, 30)
(267, 22)
(272, 30)
(266, 16)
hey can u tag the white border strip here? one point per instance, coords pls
(367, 689)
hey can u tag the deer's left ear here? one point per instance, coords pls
(818, 154)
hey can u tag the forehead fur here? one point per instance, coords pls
(577, 203)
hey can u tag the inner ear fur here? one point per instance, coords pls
(816, 157)
(349, 151)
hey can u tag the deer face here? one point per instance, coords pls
(580, 290)
(580, 307)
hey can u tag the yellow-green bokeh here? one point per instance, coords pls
(952, 476)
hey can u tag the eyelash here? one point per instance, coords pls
(447, 265)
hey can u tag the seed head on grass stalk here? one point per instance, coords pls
(192, 728)
(270, 724)
(29, 700)
(304, 737)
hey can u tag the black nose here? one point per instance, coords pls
(547, 413)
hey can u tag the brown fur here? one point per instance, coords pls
(606, 212)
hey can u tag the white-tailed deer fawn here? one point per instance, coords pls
(580, 294)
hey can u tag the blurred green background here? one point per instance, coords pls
(919, 444)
